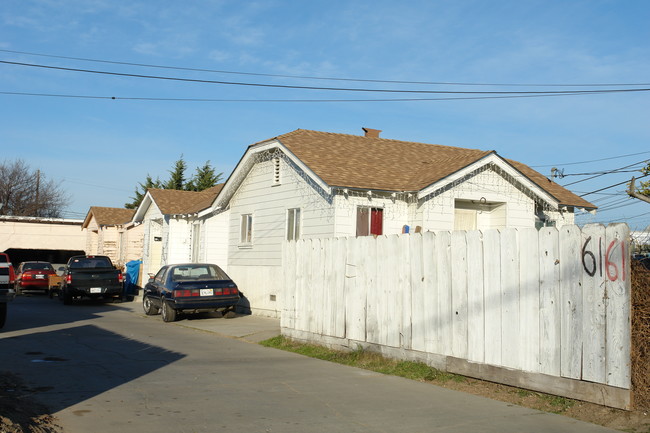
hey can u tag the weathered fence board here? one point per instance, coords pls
(475, 300)
(550, 302)
(458, 265)
(492, 299)
(510, 337)
(443, 289)
(617, 271)
(529, 300)
(549, 309)
(571, 301)
(593, 298)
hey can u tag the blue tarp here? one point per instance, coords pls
(131, 277)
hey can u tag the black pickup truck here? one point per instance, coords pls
(93, 277)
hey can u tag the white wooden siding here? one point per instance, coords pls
(215, 239)
(268, 203)
(518, 211)
(179, 241)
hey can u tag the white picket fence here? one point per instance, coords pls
(553, 302)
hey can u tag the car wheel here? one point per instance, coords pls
(149, 308)
(168, 313)
(67, 298)
(3, 313)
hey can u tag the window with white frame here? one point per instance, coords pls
(293, 224)
(370, 221)
(246, 233)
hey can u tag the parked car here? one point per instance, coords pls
(33, 276)
(4, 260)
(91, 276)
(190, 288)
(6, 289)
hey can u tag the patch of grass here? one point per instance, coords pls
(367, 360)
(524, 393)
(558, 404)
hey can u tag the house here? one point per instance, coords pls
(307, 184)
(109, 233)
(173, 231)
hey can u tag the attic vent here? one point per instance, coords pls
(276, 171)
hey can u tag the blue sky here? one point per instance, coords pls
(99, 149)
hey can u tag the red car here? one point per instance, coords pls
(33, 275)
(4, 259)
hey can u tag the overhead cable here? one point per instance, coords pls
(341, 89)
(308, 77)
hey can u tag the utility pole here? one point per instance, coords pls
(632, 192)
(38, 186)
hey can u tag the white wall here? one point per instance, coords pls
(215, 239)
(268, 203)
(179, 241)
(132, 243)
(438, 211)
(42, 235)
(152, 222)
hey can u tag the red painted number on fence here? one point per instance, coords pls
(590, 265)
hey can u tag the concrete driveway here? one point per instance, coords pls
(106, 368)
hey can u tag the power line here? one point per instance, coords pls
(593, 160)
(343, 89)
(611, 171)
(601, 172)
(612, 186)
(463, 98)
(307, 77)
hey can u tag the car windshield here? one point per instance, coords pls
(198, 272)
(37, 267)
(90, 262)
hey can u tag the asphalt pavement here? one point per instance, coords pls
(105, 368)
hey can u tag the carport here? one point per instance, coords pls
(53, 240)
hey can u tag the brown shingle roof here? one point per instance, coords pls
(354, 161)
(110, 216)
(175, 202)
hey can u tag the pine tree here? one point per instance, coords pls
(204, 178)
(142, 190)
(177, 179)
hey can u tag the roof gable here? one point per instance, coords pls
(108, 216)
(175, 202)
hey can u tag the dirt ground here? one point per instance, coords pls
(19, 410)
(628, 421)
(21, 413)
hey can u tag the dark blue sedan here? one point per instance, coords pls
(190, 288)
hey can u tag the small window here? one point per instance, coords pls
(293, 224)
(276, 171)
(370, 221)
(246, 234)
